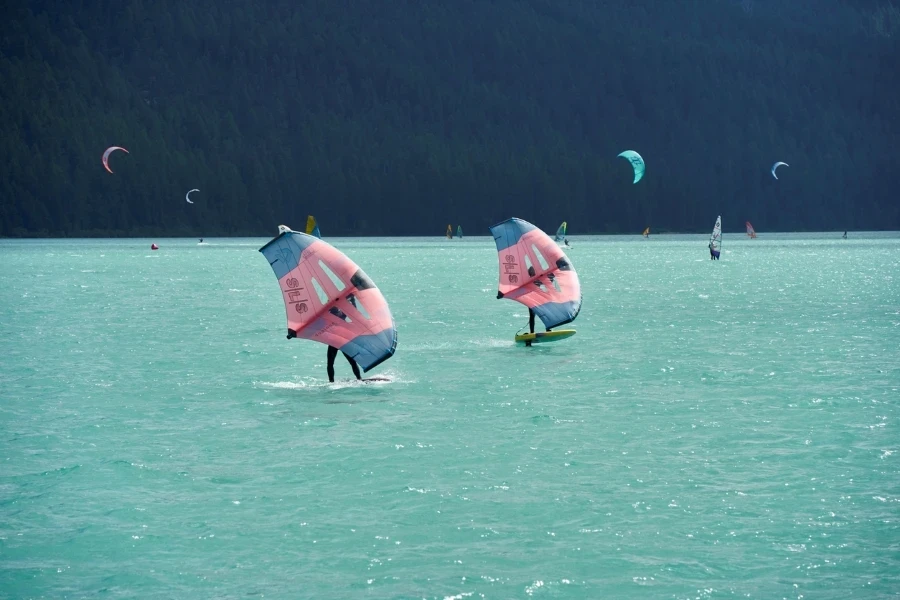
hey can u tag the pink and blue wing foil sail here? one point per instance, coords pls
(536, 272)
(329, 299)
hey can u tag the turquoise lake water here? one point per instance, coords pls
(715, 429)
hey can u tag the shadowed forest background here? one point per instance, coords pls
(389, 117)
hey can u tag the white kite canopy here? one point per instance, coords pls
(637, 163)
(188, 195)
(109, 151)
(776, 165)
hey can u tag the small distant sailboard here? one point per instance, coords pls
(560, 232)
(750, 231)
(329, 299)
(312, 228)
(646, 233)
(459, 231)
(715, 239)
(536, 272)
(560, 237)
(542, 337)
(449, 232)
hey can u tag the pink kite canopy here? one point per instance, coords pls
(536, 272)
(109, 151)
(329, 299)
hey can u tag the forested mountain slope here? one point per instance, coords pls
(396, 118)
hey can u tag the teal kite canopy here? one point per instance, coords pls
(637, 163)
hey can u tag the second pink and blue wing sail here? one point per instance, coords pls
(536, 272)
(329, 299)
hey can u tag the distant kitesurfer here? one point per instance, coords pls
(201, 240)
(845, 235)
(566, 240)
(332, 353)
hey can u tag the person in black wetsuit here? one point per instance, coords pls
(332, 353)
(530, 319)
(531, 324)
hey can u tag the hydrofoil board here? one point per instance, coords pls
(545, 336)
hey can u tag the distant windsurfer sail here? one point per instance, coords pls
(312, 228)
(560, 232)
(715, 240)
(536, 272)
(459, 231)
(449, 232)
(329, 299)
(750, 231)
(646, 233)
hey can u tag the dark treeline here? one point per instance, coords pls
(389, 117)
